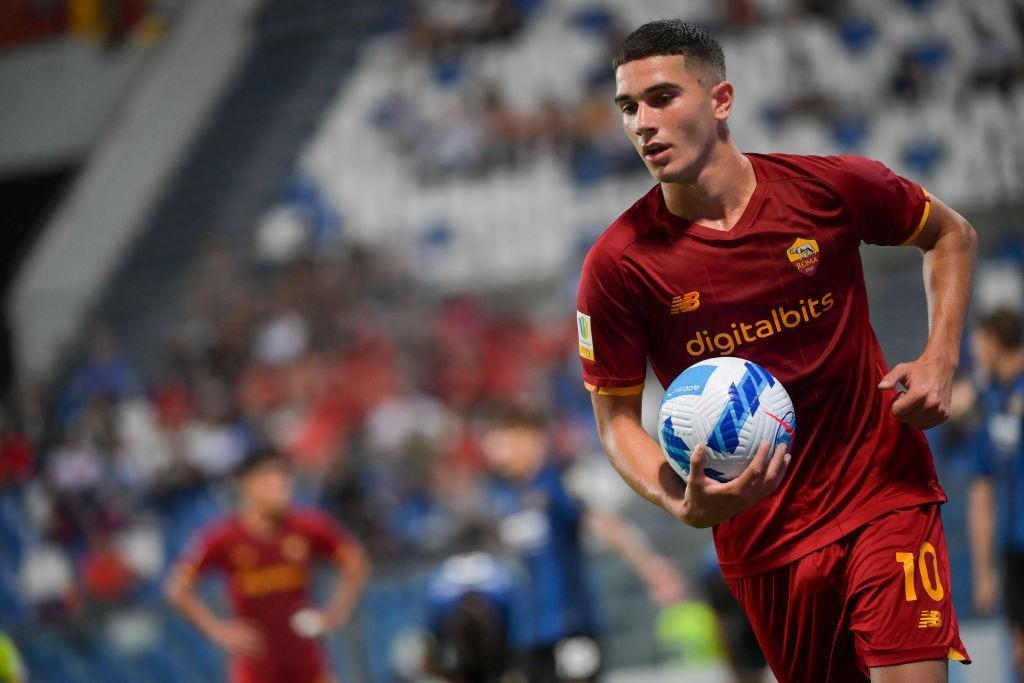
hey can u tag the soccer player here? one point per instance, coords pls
(543, 523)
(841, 566)
(267, 552)
(996, 495)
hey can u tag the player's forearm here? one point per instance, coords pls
(981, 526)
(948, 273)
(348, 591)
(185, 601)
(639, 461)
(627, 542)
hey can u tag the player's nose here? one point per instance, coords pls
(644, 124)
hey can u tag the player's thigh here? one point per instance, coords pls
(900, 606)
(797, 613)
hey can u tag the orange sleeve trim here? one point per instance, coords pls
(924, 219)
(615, 391)
(956, 655)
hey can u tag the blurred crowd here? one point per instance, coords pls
(372, 388)
(111, 23)
(471, 124)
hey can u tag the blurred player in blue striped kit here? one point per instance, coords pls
(542, 523)
(996, 511)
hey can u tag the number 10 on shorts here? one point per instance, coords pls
(929, 576)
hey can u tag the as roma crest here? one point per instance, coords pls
(804, 256)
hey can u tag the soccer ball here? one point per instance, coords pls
(730, 404)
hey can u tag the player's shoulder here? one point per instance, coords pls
(834, 171)
(222, 530)
(311, 520)
(631, 225)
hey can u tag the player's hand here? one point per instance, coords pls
(708, 502)
(239, 638)
(929, 384)
(985, 592)
(665, 585)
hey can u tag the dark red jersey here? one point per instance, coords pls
(784, 288)
(269, 580)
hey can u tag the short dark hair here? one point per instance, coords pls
(673, 37)
(1005, 325)
(515, 416)
(257, 458)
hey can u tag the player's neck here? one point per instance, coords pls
(258, 523)
(718, 195)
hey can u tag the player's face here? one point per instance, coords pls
(268, 488)
(985, 350)
(672, 114)
(515, 452)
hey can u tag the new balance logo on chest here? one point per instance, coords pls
(685, 303)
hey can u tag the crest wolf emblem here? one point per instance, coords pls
(804, 255)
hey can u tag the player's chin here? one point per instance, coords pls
(666, 173)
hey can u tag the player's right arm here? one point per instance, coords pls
(702, 502)
(235, 636)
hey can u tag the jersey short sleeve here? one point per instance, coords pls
(612, 335)
(884, 208)
(208, 550)
(326, 537)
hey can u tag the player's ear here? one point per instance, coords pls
(722, 94)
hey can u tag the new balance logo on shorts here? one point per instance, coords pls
(930, 618)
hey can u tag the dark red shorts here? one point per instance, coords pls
(280, 671)
(876, 597)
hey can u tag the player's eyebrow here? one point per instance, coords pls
(664, 85)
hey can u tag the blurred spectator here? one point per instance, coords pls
(105, 575)
(17, 455)
(996, 496)
(106, 374)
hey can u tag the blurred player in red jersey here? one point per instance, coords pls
(267, 551)
(840, 566)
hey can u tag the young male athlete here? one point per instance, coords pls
(267, 552)
(841, 566)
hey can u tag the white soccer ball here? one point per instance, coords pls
(730, 404)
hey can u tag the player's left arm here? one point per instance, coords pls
(948, 243)
(353, 567)
(665, 585)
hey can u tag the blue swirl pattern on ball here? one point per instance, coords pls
(675, 447)
(743, 402)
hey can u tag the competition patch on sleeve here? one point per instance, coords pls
(586, 335)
